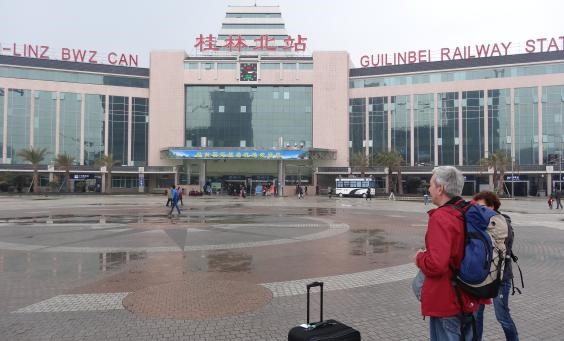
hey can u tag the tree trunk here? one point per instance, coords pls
(109, 182)
(35, 181)
(67, 174)
(400, 185)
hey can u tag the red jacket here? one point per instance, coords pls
(444, 243)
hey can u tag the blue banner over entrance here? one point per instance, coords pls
(239, 153)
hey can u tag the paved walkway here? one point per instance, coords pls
(116, 268)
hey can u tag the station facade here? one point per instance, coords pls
(258, 110)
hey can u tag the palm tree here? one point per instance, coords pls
(393, 161)
(499, 162)
(359, 160)
(34, 156)
(65, 161)
(108, 161)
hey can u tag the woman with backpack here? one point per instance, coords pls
(501, 302)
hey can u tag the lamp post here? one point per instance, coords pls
(512, 178)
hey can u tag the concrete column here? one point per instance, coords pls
(436, 128)
(548, 184)
(512, 109)
(129, 126)
(389, 123)
(202, 179)
(82, 115)
(31, 118)
(411, 132)
(103, 174)
(491, 181)
(57, 123)
(460, 132)
(486, 125)
(5, 127)
(539, 109)
(106, 124)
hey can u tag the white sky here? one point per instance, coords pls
(357, 26)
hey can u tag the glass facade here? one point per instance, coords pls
(94, 128)
(357, 109)
(473, 127)
(73, 77)
(526, 126)
(377, 125)
(499, 121)
(45, 122)
(139, 130)
(248, 116)
(401, 126)
(69, 124)
(448, 130)
(19, 109)
(423, 129)
(118, 118)
(552, 127)
(464, 75)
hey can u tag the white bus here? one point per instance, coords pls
(354, 187)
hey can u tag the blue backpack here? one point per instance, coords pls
(174, 195)
(481, 270)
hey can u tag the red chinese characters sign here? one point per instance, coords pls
(238, 43)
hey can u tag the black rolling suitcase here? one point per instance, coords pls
(324, 329)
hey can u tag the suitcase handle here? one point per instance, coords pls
(313, 285)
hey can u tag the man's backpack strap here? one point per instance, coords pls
(464, 317)
(515, 258)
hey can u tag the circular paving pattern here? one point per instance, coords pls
(197, 298)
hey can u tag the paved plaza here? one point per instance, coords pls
(115, 267)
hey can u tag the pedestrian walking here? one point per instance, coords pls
(180, 193)
(501, 301)
(392, 196)
(451, 317)
(550, 201)
(425, 198)
(168, 196)
(559, 200)
(174, 201)
(368, 195)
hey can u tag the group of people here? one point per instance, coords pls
(174, 196)
(300, 191)
(454, 314)
(558, 198)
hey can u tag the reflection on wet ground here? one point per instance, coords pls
(223, 261)
(369, 241)
(63, 264)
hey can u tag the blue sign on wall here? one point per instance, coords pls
(241, 154)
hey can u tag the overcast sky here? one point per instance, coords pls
(357, 26)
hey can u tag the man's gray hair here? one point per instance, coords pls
(451, 178)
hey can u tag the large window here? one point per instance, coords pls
(473, 127)
(249, 116)
(526, 126)
(45, 122)
(377, 125)
(499, 119)
(69, 131)
(449, 76)
(552, 126)
(357, 135)
(73, 77)
(423, 116)
(19, 106)
(401, 126)
(448, 128)
(117, 128)
(95, 107)
(140, 130)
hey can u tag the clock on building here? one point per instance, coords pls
(248, 72)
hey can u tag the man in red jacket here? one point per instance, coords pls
(444, 249)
